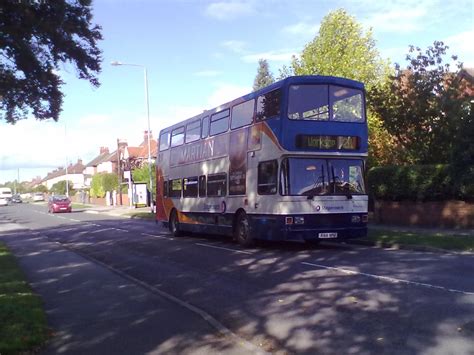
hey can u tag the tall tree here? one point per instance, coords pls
(264, 76)
(342, 48)
(426, 107)
(35, 38)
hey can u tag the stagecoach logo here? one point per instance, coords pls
(202, 150)
(318, 208)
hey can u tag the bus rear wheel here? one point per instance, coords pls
(174, 224)
(242, 233)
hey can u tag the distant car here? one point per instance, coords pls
(38, 196)
(59, 203)
(16, 199)
(3, 201)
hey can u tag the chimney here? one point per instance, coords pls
(145, 138)
(79, 161)
(104, 150)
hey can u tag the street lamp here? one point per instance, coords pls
(116, 63)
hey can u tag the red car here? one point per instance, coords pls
(59, 203)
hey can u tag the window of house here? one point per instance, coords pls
(205, 127)
(242, 114)
(217, 185)
(267, 177)
(202, 186)
(268, 105)
(175, 188)
(190, 187)
(219, 122)
(164, 140)
(177, 136)
(193, 131)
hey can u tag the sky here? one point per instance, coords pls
(198, 55)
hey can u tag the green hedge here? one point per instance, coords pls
(421, 183)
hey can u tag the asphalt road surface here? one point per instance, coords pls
(286, 297)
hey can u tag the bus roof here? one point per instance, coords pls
(302, 79)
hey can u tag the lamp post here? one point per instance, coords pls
(116, 63)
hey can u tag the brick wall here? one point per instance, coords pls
(447, 214)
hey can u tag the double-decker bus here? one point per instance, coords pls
(283, 163)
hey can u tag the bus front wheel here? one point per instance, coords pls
(242, 233)
(174, 224)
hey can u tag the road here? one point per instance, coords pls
(285, 297)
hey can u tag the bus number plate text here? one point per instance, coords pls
(327, 235)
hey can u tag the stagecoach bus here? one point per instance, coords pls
(286, 162)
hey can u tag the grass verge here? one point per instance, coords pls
(23, 324)
(452, 242)
(80, 205)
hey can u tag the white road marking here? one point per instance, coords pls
(228, 249)
(102, 230)
(157, 236)
(69, 229)
(387, 278)
(120, 230)
(75, 220)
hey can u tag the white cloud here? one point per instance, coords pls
(226, 10)
(398, 20)
(234, 46)
(273, 56)
(225, 93)
(461, 45)
(302, 29)
(207, 73)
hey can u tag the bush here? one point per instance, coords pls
(421, 183)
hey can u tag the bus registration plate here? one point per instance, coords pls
(327, 235)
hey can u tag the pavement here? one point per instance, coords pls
(94, 309)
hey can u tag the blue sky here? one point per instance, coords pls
(200, 54)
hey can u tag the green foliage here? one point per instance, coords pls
(36, 38)
(341, 48)
(40, 188)
(264, 77)
(421, 183)
(424, 108)
(103, 182)
(142, 174)
(59, 188)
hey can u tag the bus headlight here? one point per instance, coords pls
(355, 219)
(299, 220)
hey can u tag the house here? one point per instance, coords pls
(466, 77)
(97, 165)
(73, 173)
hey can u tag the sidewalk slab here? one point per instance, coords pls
(95, 311)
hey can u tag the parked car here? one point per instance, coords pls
(38, 196)
(3, 201)
(16, 199)
(59, 203)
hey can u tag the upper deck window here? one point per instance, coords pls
(177, 136)
(219, 122)
(193, 131)
(325, 102)
(346, 104)
(205, 127)
(268, 105)
(164, 140)
(242, 114)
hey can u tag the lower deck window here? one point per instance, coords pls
(175, 188)
(217, 185)
(267, 177)
(190, 187)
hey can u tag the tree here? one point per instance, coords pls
(341, 48)
(264, 77)
(40, 188)
(59, 188)
(424, 107)
(103, 182)
(142, 174)
(36, 37)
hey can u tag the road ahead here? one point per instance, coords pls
(287, 298)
